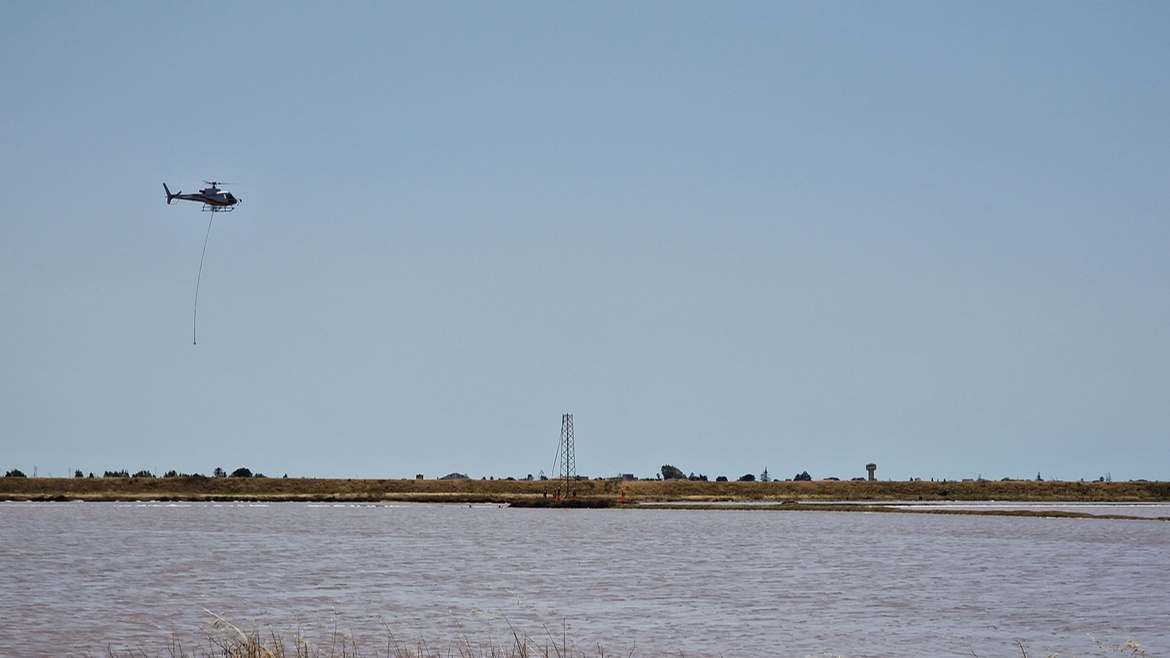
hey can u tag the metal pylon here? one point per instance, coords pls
(566, 462)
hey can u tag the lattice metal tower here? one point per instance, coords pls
(565, 465)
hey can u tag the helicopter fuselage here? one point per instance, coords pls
(212, 198)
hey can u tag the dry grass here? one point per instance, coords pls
(222, 639)
(226, 640)
(596, 491)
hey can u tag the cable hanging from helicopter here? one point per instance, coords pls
(214, 201)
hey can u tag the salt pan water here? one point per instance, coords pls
(81, 577)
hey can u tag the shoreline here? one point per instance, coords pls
(825, 495)
(1006, 510)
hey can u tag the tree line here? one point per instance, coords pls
(219, 473)
(669, 472)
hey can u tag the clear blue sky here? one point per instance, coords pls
(725, 236)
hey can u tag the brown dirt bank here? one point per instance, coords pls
(589, 492)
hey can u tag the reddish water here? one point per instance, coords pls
(78, 577)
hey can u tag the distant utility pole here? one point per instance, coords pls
(565, 465)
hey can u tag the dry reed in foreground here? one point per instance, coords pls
(226, 640)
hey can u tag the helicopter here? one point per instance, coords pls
(212, 198)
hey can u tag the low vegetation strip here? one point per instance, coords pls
(230, 641)
(581, 492)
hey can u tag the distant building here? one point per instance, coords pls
(872, 468)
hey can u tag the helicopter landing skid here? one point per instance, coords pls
(210, 208)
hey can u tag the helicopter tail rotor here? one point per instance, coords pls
(170, 197)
